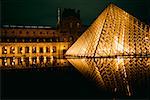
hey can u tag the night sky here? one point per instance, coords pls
(44, 12)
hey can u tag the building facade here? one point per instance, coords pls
(39, 42)
(27, 41)
(28, 44)
(69, 22)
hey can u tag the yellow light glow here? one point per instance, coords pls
(108, 36)
(38, 59)
(52, 50)
(44, 59)
(22, 59)
(44, 50)
(120, 60)
(6, 64)
(30, 59)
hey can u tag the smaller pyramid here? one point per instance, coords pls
(114, 32)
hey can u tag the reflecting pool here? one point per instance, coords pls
(31, 62)
(123, 77)
(53, 77)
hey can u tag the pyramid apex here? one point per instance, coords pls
(112, 4)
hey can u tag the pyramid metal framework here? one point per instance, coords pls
(114, 32)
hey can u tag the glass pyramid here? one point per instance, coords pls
(114, 32)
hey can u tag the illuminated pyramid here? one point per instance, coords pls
(114, 32)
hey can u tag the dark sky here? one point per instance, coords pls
(44, 12)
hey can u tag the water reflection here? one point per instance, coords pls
(31, 61)
(120, 76)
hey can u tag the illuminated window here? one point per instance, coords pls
(26, 49)
(12, 61)
(4, 50)
(27, 60)
(33, 49)
(20, 60)
(37, 40)
(15, 40)
(34, 59)
(54, 49)
(22, 40)
(50, 39)
(57, 39)
(41, 49)
(47, 49)
(20, 50)
(4, 61)
(44, 40)
(12, 50)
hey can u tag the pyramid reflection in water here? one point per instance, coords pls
(114, 32)
(122, 76)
